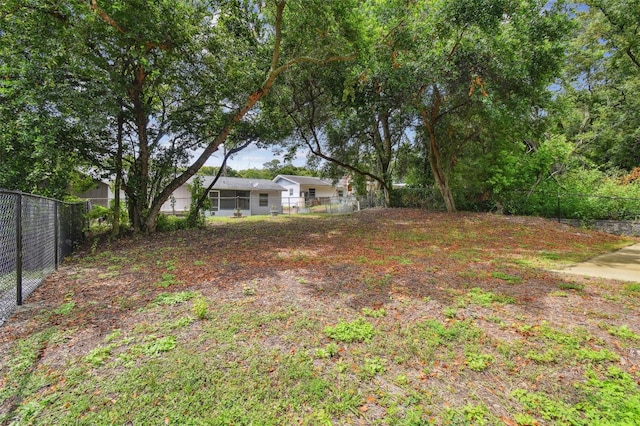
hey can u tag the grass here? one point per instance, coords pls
(344, 334)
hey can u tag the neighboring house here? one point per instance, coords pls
(306, 190)
(100, 194)
(248, 196)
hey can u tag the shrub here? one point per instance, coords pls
(170, 223)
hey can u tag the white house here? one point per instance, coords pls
(230, 194)
(306, 190)
(101, 194)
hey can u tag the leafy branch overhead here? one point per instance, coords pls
(150, 88)
(477, 100)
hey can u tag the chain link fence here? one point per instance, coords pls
(565, 205)
(36, 233)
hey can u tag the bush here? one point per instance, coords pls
(171, 223)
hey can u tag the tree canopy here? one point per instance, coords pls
(471, 97)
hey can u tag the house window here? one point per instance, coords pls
(227, 200)
(231, 200)
(244, 199)
(312, 193)
(290, 192)
(214, 196)
(264, 200)
(340, 193)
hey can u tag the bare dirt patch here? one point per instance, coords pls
(417, 266)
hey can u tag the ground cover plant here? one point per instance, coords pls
(399, 317)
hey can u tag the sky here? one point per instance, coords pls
(253, 157)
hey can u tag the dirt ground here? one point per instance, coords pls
(332, 258)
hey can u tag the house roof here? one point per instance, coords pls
(241, 184)
(304, 180)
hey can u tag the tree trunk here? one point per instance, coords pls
(441, 176)
(140, 184)
(435, 158)
(115, 224)
(383, 144)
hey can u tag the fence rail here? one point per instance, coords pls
(36, 233)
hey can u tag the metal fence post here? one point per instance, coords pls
(56, 233)
(19, 249)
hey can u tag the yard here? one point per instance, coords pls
(380, 317)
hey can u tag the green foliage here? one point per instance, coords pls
(200, 308)
(174, 298)
(196, 212)
(330, 350)
(168, 223)
(609, 398)
(602, 68)
(633, 289)
(167, 280)
(623, 332)
(542, 357)
(477, 361)
(477, 296)
(612, 397)
(65, 308)
(358, 330)
(597, 356)
(97, 356)
(511, 279)
(450, 312)
(470, 414)
(571, 286)
(160, 345)
(374, 313)
(373, 366)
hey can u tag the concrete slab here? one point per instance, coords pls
(622, 265)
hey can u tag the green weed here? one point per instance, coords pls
(542, 357)
(113, 336)
(450, 312)
(97, 356)
(373, 366)
(469, 415)
(612, 397)
(632, 289)
(585, 354)
(65, 308)
(402, 260)
(358, 330)
(374, 313)
(167, 280)
(174, 298)
(623, 332)
(511, 279)
(477, 361)
(180, 323)
(163, 344)
(329, 351)
(200, 308)
(477, 296)
(571, 286)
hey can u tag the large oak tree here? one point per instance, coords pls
(145, 85)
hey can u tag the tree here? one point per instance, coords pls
(32, 132)
(474, 63)
(161, 80)
(353, 115)
(601, 112)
